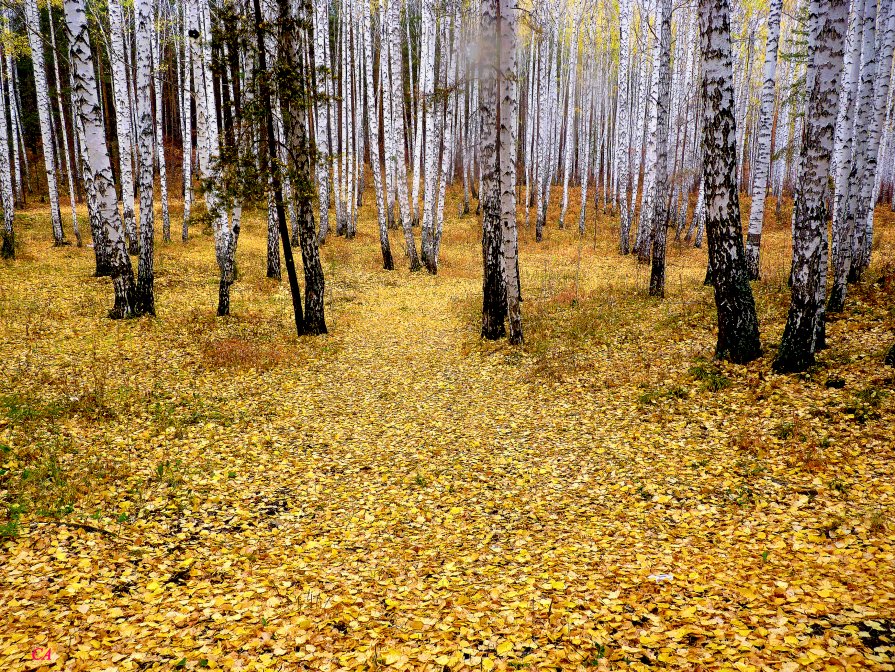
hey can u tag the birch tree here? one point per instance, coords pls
(395, 149)
(761, 168)
(159, 69)
(845, 222)
(7, 201)
(297, 100)
(145, 298)
(499, 111)
(374, 95)
(98, 169)
(187, 115)
(622, 149)
(809, 272)
(738, 338)
(660, 202)
(322, 110)
(123, 120)
(44, 114)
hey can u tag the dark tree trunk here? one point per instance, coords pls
(803, 334)
(274, 166)
(295, 94)
(660, 223)
(738, 339)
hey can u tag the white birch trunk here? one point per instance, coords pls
(397, 157)
(622, 148)
(44, 113)
(145, 303)
(765, 123)
(7, 201)
(160, 70)
(122, 120)
(68, 163)
(98, 169)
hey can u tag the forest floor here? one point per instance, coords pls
(187, 492)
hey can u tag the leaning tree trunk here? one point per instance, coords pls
(809, 268)
(296, 96)
(123, 120)
(659, 234)
(44, 114)
(738, 338)
(763, 159)
(145, 301)
(98, 169)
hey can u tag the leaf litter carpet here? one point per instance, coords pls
(398, 495)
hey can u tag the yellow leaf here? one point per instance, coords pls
(487, 664)
(504, 648)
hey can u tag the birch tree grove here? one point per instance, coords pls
(624, 116)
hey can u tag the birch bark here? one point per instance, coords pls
(98, 169)
(738, 338)
(145, 296)
(122, 121)
(809, 275)
(44, 113)
(765, 126)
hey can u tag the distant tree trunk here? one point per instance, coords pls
(809, 268)
(397, 156)
(156, 38)
(765, 126)
(187, 113)
(297, 99)
(322, 110)
(738, 338)
(44, 113)
(570, 120)
(98, 171)
(61, 110)
(373, 97)
(145, 299)
(425, 121)
(659, 234)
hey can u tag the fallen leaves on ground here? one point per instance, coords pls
(189, 492)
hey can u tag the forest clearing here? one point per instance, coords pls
(213, 492)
